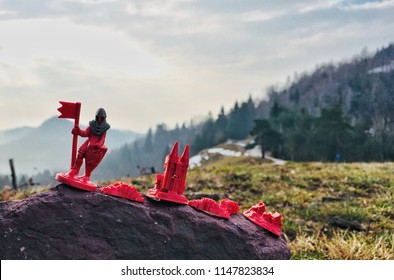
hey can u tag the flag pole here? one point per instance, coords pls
(75, 136)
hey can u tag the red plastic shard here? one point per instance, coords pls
(210, 206)
(123, 190)
(79, 182)
(269, 221)
(230, 206)
(171, 184)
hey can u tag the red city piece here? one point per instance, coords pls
(92, 150)
(230, 206)
(123, 190)
(269, 221)
(210, 206)
(171, 184)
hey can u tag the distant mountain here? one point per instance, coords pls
(48, 146)
(14, 134)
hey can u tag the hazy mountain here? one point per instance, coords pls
(48, 146)
(14, 134)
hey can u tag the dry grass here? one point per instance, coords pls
(342, 245)
(9, 194)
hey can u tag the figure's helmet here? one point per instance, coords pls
(101, 113)
(100, 116)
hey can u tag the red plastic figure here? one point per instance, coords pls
(123, 190)
(210, 206)
(92, 150)
(269, 221)
(171, 184)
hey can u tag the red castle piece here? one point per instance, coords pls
(210, 206)
(123, 190)
(171, 184)
(230, 206)
(92, 150)
(269, 221)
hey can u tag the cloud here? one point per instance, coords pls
(369, 5)
(319, 5)
(144, 59)
(95, 47)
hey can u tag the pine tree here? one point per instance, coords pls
(221, 125)
(266, 137)
(332, 134)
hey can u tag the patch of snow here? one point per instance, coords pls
(196, 160)
(235, 142)
(255, 152)
(276, 160)
(224, 152)
(383, 69)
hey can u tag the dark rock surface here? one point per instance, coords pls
(67, 223)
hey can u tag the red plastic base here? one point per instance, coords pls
(210, 206)
(168, 196)
(268, 221)
(76, 182)
(123, 190)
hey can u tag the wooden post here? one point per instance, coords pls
(13, 175)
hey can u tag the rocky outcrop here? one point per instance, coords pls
(67, 223)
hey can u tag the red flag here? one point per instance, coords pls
(69, 110)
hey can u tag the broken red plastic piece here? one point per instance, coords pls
(268, 221)
(230, 206)
(123, 190)
(79, 182)
(171, 184)
(210, 206)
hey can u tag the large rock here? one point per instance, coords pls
(67, 223)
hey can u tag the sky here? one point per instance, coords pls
(168, 61)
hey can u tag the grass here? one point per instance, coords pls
(8, 194)
(330, 211)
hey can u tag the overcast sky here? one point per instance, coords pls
(153, 61)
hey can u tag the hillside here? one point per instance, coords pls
(331, 211)
(365, 80)
(362, 88)
(14, 134)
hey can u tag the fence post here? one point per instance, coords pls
(13, 175)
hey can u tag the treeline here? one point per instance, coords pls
(44, 178)
(299, 136)
(338, 112)
(147, 154)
